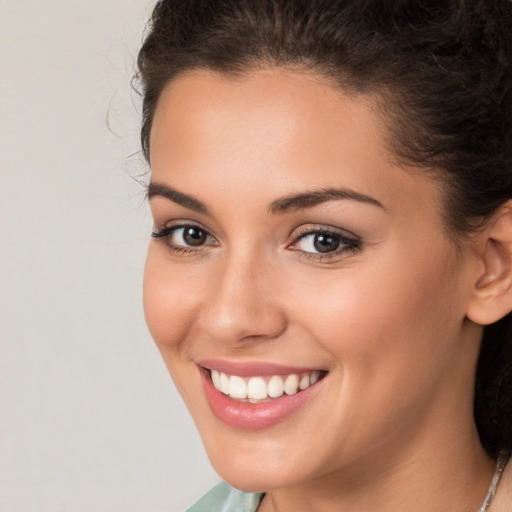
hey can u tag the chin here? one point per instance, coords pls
(250, 465)
(255, 477)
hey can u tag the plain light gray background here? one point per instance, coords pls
(89, 418)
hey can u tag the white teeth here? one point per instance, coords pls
(255, 389)
(224, 384)
(237, 387)
(291, 384)
(275, 386)
(304, 382)
(216, 379)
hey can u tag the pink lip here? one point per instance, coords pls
(252, 369)
(244, 415)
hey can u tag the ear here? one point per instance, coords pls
(491, 297)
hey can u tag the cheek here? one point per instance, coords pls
(394, 312)
(168, 305)
(392, 336)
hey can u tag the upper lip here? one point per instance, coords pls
(252, 368)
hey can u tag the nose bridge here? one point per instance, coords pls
(242, 302)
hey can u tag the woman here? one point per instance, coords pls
(330, 275)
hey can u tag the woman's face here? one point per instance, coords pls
(289, 248)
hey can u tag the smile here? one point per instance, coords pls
(262, 388)
(257, 396)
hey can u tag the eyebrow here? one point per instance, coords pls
(279, 206)
(159, 189)
(309, 199)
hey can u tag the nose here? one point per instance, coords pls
(242, 303)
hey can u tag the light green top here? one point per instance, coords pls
(224, 498)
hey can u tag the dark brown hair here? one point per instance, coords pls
(442, 70)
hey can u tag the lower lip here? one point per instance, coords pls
(244, 415)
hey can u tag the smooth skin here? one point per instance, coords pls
(394, 312)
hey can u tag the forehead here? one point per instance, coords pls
(271, 132)
(272, 107)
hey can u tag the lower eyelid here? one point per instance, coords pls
(339, 253)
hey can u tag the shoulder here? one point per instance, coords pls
(223, 498)
(503, 499)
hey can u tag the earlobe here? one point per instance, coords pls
(491, 297)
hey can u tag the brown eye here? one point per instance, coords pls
(319, 242)
(184, 237)
(192, 235)
(324, 242)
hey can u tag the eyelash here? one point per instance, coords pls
(165, 235)
(348, 244)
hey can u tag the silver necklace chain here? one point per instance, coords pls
(500, 466)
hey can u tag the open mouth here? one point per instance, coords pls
(261, 389)
(257, 395)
